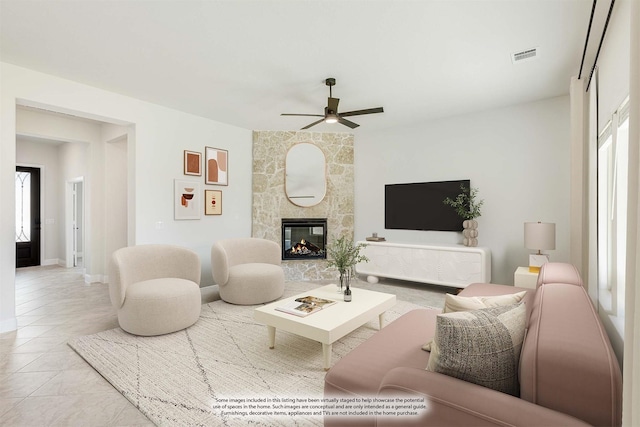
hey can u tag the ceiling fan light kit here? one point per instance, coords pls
(331, 114)
(331, 118)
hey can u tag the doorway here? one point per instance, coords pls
(78, 224)
(75, 223)
(28, 224)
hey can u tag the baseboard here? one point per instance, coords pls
(54, 261)
(9, 325)
(95, 278)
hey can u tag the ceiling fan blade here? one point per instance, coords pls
(361, 112)
(332, 104)
(306, 115)
(347, 123)
(313, 124)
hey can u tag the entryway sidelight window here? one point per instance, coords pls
(23, 206)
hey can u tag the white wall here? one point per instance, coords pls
(116, 154)
(161, 135)
(518, 157)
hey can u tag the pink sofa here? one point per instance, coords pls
(568, 372)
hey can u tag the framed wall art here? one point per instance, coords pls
(216, 166)
(192, 163)
(212, 202)
(186, 200)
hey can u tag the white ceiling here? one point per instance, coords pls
(245, 62)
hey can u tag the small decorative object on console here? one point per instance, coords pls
(470, 232)
(374, 238)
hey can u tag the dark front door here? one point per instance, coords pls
(27, 216)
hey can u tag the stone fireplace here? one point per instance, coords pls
(270, 203)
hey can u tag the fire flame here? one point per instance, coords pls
(300, 248)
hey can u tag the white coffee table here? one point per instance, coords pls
(329, 324)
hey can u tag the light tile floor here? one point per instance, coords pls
(43, 382)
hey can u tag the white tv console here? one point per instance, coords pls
(448, 265)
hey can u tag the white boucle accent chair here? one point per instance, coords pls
(247, 270)
(155, 288)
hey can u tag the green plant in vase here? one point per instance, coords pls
(466, 204)
(343, 254)
(468, 207)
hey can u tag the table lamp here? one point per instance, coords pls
(539, 236)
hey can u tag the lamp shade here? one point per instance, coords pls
(539, 235)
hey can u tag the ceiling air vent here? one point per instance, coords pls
(525, 55)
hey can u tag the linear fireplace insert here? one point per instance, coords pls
(304, 238)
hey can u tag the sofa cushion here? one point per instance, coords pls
(453, 303)
(481, 346)
(360, 372)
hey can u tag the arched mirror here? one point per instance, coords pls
(305, 180)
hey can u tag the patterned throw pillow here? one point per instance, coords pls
(481, 346)
(457, 303)
(454, 303)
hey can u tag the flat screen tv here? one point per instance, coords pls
(419, 206)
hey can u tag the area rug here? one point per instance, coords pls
(206, 374)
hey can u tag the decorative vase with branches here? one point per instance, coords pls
(468, 207)
(343, 255)
(466, 204)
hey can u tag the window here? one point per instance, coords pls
(23, 206)
(613, 153)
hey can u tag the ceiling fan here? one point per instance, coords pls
(331, 114)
